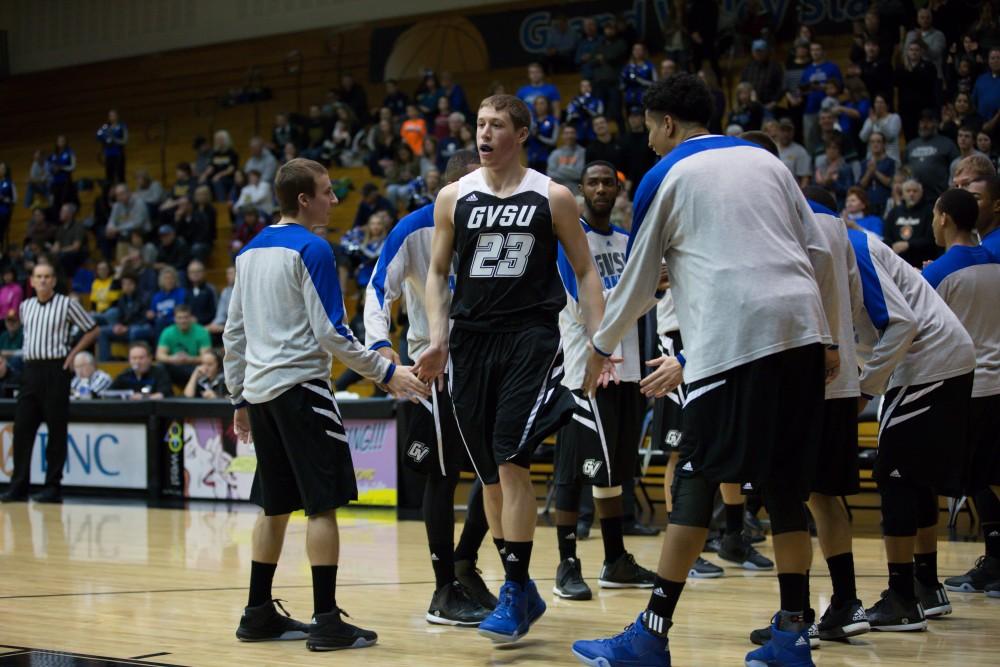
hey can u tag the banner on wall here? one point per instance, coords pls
(218, 466)
(99, 455)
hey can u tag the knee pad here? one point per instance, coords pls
(786, 510)
(927, 508)
(899, 508)
(568, 497)
(694, 498)
(603, 492)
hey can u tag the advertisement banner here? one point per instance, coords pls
(373, 449)
(99, 455)
(217, 466)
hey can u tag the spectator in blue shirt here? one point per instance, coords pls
(814, 78)
(582, 111)
(455, 94)
(169, 296)
(986, 93)
(61, 163)
(637, 75)
(113, 136)
(560, 45)
(879, 170)
(537, 86)
(544, 134)
(8, 197)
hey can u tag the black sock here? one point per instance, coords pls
(662, 602)
(925, 568)
(517, 560)
(614, 542)
(734, 518)
(566, 536)
(842, 574)
(901, 580)
(805, 597)
(501, 546)
(261, 576)
(443, 562)
(792, 587)
(475, 527)
(324, 588)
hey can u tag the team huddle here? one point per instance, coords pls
(777, 325)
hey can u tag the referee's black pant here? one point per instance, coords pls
(44, 397)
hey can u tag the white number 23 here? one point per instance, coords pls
(501, 257)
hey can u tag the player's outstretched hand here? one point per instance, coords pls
(430, 365)
(241, 424)
(405, 384)
(668, 374)
(832, 359)
(599, 372)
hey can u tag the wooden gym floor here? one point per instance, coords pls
(160, 586)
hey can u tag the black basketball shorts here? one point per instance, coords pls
(303, 457)
(668, 429)
(432, 444)
(600, 445)
(758, 424)
(837, 471)
(923, 435)
(506, 391)
(984, 438)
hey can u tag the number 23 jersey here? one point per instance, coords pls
(507, 278)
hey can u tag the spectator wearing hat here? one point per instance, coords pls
(173, 250)
(929, 156)
(12, 336)
(792, 153)
(372, 202)
(765, 76)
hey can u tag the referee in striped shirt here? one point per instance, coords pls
(48, 362)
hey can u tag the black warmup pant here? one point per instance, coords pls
(114, 168)
(44, 397)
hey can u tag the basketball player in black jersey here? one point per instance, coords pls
(504, 222)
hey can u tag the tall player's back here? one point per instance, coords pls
(507, 250)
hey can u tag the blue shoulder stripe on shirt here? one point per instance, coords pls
(422, 218)
(871, 286)
(650, 183)
(955, 259)
(819, 208)
(317, 256)
(566, 271)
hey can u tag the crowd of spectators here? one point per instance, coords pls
(883, 129)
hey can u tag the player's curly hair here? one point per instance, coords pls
(685, 97)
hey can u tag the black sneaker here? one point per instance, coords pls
(469, 576)
(453, 605)
(763, 635)
(263, 623)
(894, 614)
(702, 569)
(625, 573)
(848, 621)
(712, 544)
(933, 599)
(993, 590)
(976, 580)
(569, 581)
(50, 495)
(736, 548)
(636, 529)
(329, 632)
(13, 497)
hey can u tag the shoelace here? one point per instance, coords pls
(624, 637)
(281, 607)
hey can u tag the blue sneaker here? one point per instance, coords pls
(785, 649)
(517, 609)
(636, 647)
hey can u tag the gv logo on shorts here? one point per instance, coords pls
(591, 466)
(418, 451)
(673, 437)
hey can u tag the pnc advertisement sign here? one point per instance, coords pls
(99, 455)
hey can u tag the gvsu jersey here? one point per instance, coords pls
(507, 277)
(608, 250)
